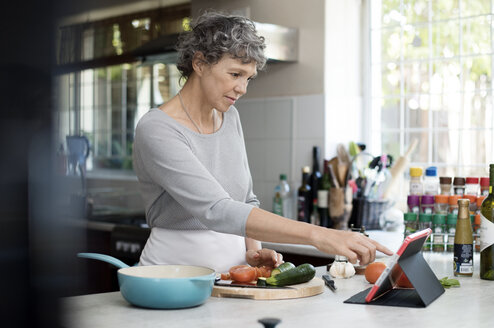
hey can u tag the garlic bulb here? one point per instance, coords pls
(342, 269)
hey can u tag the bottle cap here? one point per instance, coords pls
(480, 199)
(451, 219)
(431, 171)
(464, 202)
(425, 217)
(283, 176)
(439, 219)
(306, 169)
(472, 180)
(415, 171)
(459, 181)
(484, 182)
(441, 199)
(453, 199)
(427, 199)
(471, 198)
(410, 216)
(445, 180)
(413, 200)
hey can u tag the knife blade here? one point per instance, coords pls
(329, 282)
(229, 283)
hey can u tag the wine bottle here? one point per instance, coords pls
(322, 197)
(315, 178)
(463, 247)
(487, 231)
(304, 197)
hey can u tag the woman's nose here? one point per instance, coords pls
(241, 87)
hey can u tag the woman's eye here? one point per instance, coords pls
(235, 74)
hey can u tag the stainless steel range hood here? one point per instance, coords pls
(281, 46)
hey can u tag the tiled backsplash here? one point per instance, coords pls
(279, 135)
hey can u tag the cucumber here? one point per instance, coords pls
(261, 281)
(298, 275)
(282, 268)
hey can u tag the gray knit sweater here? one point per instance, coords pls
(192, 181)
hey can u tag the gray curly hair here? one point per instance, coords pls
(215, 34)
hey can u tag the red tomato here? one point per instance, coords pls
(373, 271)
(264, 271)
(243, 273)
(404, 282)
(225, 276)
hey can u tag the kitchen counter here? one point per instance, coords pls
(467, 306)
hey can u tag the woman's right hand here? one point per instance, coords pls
(354, 245)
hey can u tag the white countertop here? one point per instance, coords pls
(467, 306)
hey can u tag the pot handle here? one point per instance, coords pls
(105, 258)
(202, 279)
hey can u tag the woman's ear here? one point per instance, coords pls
(198, 63)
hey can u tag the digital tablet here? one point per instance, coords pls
(388, 278)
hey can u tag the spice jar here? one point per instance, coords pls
(425, 221)
(459, 186)
(472, 186)
(441, 204)
(410, 220)
(416, 187)
(453, 204)
(473, 203)
(413, 202)
(427, 204)
(438, 229)
(484, 186)
(445, 185)
(476, 232)
(431, 181)
(451, 230)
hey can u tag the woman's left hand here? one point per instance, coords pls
(264, 256)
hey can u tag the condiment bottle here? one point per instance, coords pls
(425, 221)
(484, 186)
(472, 186)
(473, 203)
(487, 232)
(451, 229)
(431, 181)
(427, 204)
(410, 220)
(453, 204)
(438, 229)
(413, 202)
(463, 248)
(416, 187)
(441, 204)
(445, 185)
(459, 186)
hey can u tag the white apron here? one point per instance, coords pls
(218, 251)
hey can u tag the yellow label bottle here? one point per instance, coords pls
(463, 247)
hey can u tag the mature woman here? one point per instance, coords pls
(190, 159)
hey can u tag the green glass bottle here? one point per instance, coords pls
(487, 232)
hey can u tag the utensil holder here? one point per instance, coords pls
(367, 212)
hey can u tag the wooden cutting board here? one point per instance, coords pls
(311, 288)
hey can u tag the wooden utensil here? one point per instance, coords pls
(399, 167)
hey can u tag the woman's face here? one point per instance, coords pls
(226, 81)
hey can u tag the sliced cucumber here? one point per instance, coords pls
(282, 268)
(298, 275)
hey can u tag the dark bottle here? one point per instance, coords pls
(304, 197)
(323, 197)
(315, 178)
(487, 232)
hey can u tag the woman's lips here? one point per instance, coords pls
(232, 100)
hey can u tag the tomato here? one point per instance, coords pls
(404, 282)
(243, 273)
(373, 271)
(264, 271)
(225, 276)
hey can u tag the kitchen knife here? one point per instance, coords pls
(329, 282)
(229, 283)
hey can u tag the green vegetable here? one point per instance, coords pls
(447, 283)
(261, 281)
(282, 268)
(298, 275)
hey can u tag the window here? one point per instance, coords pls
(431, 80)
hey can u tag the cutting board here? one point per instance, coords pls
(311, 288)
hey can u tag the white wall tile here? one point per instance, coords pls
(309, 116)
(256, 153)
(252, 116)
(264, 192)
(278, 158)
(278, 113)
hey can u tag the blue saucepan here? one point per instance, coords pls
(161, 286)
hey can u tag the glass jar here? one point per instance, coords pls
(484, 186)
(416, 187)
(438, 232)
(427, 204)
(441, 204)
(431, 181)
(413, 202)
(472, 186)
(453, 204)
(425, 221)
(451, 230)
(459, 186)
(445, 185)
(410, 220)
